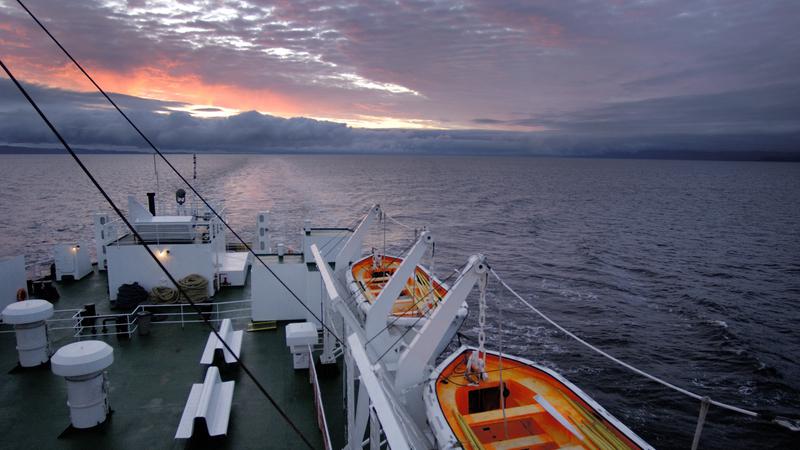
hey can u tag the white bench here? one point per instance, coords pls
(209, 402)
(233, 338)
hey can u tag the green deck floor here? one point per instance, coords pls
(150, 381)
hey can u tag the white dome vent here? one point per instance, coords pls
(83, 364)
(28, 318)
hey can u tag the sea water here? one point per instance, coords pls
(689, 270)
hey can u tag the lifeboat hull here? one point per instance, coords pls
(365, 280)
(539, 409)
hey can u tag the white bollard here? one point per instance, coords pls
(82, 364)
(28, 318)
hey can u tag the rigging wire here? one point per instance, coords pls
(351, 296)
(502, 386)
(175, 170)
(149, 251)
(400, 223)
(422, 298)
(403, 335)
(341, 235)
(786, 422)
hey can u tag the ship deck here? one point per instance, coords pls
(150, 381)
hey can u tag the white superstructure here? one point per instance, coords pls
(189, 244)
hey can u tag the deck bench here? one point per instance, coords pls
(213, 344)
(209, 404)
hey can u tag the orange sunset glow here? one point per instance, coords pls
(497, 76)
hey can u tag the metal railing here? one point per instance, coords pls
(187, 314)
(204, 228)
(80, 325)
(322, 422)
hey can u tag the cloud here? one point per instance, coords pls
(767, 110)
(208, 109)
(444, 61)
(85, 119)
(485, 121)
(772, 120)
(569, 75)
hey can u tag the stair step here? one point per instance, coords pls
(263, 325)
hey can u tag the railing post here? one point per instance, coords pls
(181, 314)
(374, 430)
(701, 420)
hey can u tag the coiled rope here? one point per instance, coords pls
(135, 233)
(786, 422)
(194, 286)
(164, 294)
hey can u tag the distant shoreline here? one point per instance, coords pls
(671, 155)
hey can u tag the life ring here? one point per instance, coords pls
(21, 295)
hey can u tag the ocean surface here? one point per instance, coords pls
(688, 270)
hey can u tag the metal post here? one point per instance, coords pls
(181, 313)
(374, 430)
(701, 419)
(350, 393)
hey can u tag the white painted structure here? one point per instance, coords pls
(105, 231)
(210, 402)
(72, 260)
(232, 337)
(12, 279)
(184, 244)
(130, 263)
(375, 390)
(234, 267)
(271, 299)
(416, 362)
(83, 364)
(299, 337)
(262, 233)
(28, 318)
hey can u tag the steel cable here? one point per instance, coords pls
(152, 255)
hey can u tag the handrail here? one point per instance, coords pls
(131, 318)
(322, 422)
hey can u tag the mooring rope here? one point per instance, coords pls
(789, 423)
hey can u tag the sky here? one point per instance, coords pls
(488, 76)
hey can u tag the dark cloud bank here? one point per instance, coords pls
(754, 124)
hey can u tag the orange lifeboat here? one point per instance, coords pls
(368, 276)
(538, 410)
